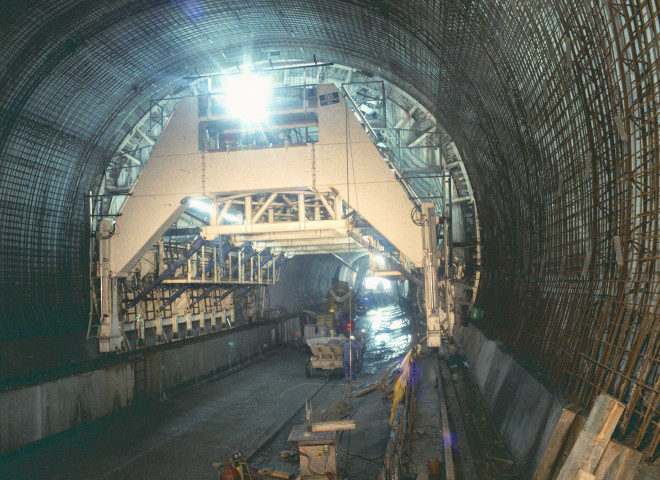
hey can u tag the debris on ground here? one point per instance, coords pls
(338, 410)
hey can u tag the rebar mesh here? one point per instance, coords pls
(554, 106)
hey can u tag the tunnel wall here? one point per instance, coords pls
(553, 106)
(37, 412)
(167, 369)
(524, 411)
(303, 283)
(40, 411)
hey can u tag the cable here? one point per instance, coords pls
(349, 446)
(309, 464)
(114, 225)
(299, 385)
(348, 452)
(375, 459)
(416, 216)
(351, 321)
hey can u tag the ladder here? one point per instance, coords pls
(140, 372)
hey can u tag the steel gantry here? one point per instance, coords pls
(309, 180)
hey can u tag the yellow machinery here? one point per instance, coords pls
(325, 319)
(335, 313)
(317, 451)
(327, 354)
(340, 298)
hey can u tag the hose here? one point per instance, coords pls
(416, 216)
(375, 459)
(309, 465)
(347, 452)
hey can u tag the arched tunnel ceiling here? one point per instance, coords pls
(554, 106)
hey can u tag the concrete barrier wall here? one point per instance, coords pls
(524, 411)
(167, 369)
(39, 411)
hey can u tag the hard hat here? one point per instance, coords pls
(352, 337)
(363, 331)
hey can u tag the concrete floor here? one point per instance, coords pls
(252, 410)
(182, 436)
(177, 438)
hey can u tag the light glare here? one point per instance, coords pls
(247, 97)
(232, 218)
(372, 283)
(200, 205)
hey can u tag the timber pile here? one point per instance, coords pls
(582, 448)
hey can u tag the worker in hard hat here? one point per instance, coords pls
(351, 358)
(362, 342)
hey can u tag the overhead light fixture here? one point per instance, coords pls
(199, 205)
(247, 96)
(377, 283)
(271, 68)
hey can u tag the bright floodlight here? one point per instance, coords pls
(247, 97)
(372, 283)
(200, 205)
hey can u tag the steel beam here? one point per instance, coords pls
(181, 232)
(264, 207)
(197, 244)
(175, 168)
(173, 297)
(204, 294)
(310, 225)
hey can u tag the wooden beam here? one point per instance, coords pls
(274, 473)
(618, 463)
(557, 442)
(593, 438)
(336, 425)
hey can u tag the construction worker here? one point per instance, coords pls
(362, 342)
(351, 358)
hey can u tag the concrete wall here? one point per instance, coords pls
(169, 368)
(37, 412)
(523, 410)
(303, 283)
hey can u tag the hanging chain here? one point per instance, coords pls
(313, 167)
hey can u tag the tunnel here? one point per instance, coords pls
(531, 126)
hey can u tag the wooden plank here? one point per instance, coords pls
(336, 425)
(593, 438)
(618, 463)
(362, 392)
(275, 473)
(557, 442)
(573, 434)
